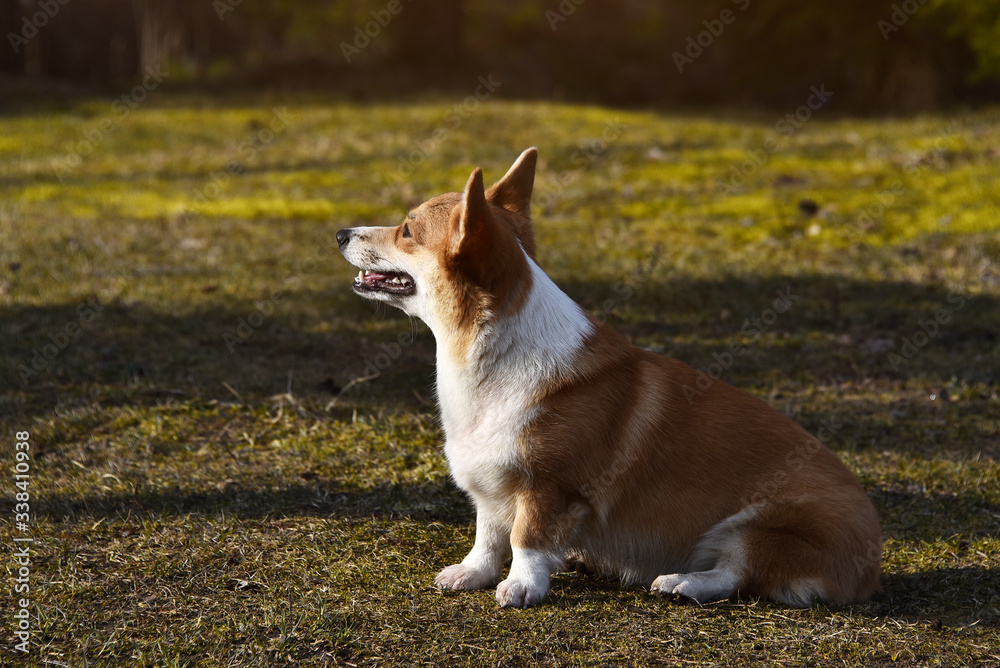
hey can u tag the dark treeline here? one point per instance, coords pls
(873, 54)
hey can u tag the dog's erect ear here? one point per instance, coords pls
(470, 224)
(513, 191)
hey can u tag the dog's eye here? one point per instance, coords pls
(406, 231)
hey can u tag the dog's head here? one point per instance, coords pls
(456, 257)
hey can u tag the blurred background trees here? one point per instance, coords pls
(875, 55)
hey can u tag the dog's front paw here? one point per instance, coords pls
(516, 593)
(460, 576)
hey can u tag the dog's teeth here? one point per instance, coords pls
(361, 276)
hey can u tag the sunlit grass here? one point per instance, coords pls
(214, 484)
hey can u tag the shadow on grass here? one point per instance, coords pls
(119, 354)
(443, 503)
(941, 596)
(830, 332)
(953, 596)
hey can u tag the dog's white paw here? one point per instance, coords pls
(701, 587)
(517, 593)
(461, 576)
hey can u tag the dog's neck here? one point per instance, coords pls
(511, 357)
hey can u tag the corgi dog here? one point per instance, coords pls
(576, 446)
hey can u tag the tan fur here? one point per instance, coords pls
(614, 464)
(696, 464)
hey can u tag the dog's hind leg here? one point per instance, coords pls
(792, 552)
(803, 550)
(719, 565)
(701, 586)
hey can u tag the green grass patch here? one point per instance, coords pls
(213, 484)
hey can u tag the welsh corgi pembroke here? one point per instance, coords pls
(575, 445)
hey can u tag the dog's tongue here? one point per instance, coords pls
(375, 277)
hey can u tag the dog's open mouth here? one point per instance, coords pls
(384, 281)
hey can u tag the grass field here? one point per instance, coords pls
(216, 477)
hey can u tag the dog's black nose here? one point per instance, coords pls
(343, 236)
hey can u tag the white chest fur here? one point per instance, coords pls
(487, 402)
(482, 427)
